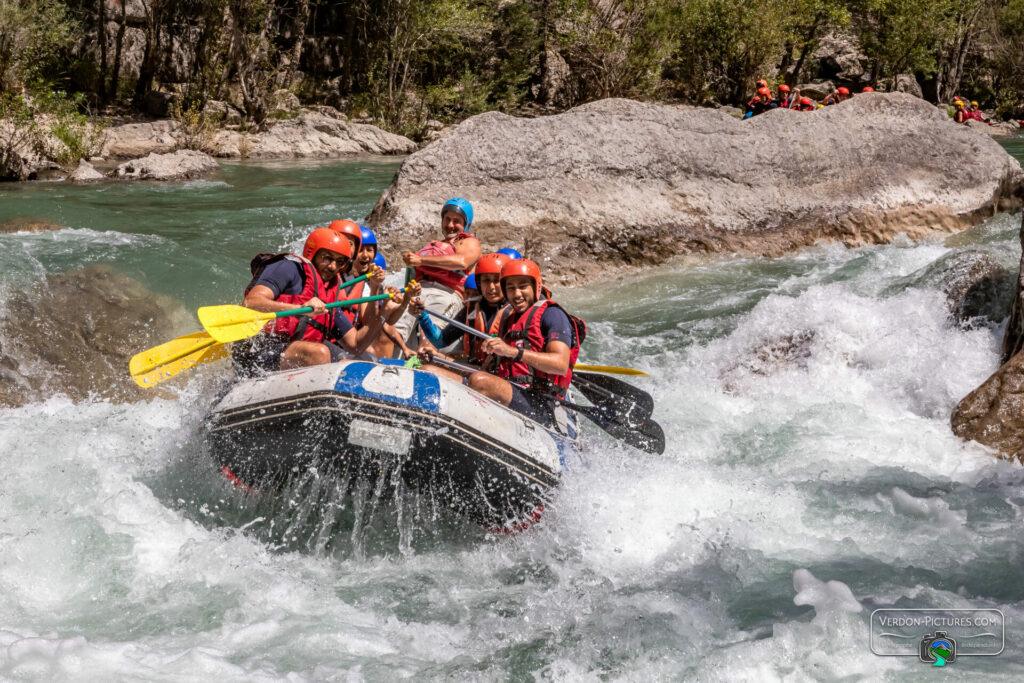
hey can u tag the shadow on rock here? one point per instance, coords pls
(74, 334)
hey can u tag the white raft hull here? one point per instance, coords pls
(354, 417)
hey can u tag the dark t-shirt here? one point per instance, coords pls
(556, 326)
(287, 277)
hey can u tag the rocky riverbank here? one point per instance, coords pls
(320, 133)
(624, 183)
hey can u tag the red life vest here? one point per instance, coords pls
(526, 330)
(352, 312)
(475, 317)
(452, 279)
(300, 327)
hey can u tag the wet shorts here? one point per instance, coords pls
(262, 353)
(534, 405)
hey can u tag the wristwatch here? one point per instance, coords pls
(519, 356)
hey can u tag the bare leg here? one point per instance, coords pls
(301, 354)
(441, 372)
(492, 387)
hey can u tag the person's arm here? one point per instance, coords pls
(554, 359)
(467, 253)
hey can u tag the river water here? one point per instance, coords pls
(823, 467)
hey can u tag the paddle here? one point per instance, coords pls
(153, 366)
(230, 323)
(160, 363)
(644, 434)
(599, 389)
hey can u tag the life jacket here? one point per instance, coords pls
(299, 327)
(353, 312)
(452, 279)
(471, 345)
(526, 330)
(784, 102)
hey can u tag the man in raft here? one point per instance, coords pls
(442, 266)
(286, 281)
(536, 349)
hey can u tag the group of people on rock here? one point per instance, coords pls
(526, 364)
(788, 98)
(964, 111)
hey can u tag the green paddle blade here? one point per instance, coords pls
(230, 323)
(158, 364)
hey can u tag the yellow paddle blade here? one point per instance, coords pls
(152, 366)
(611, 370)
(229, 323)
(208, 354)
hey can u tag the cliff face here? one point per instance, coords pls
(625, 183)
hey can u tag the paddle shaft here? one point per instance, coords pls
(336, 304)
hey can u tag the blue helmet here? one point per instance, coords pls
(380, 261)
(471, 282)
(510, 252)
(369, 237)
(462, 206)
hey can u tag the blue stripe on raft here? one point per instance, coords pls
(426, 390)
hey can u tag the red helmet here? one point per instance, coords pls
(524, 267)
(842, 91)
(867, 88)
(761, 83)
(783, 88)
(350, 228)
(764, 92)
(806, 100)
(325, 238)
(491, 264)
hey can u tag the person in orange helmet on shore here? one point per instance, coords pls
(841, 94)
(760, 103)
(285, 281)
(784, 99)
(866, 89)
(535, 350)
(804, 104)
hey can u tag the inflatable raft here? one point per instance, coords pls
(481, 459)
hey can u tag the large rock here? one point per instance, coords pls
(320, 134)
(139, 139)
(85, 173)
(75, 333)
(993, 414)
(624, 182)
(839, 56)
(978, 287)
(184, 164)
(316, 135)
(996, 129)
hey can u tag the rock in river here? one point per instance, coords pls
(621, 182)
(181, 165)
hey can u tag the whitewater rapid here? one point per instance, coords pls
(800, 490)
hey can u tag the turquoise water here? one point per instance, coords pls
(792, 476)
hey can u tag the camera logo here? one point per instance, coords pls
(938, 649)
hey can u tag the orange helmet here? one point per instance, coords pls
(491, 264)
(325, 238)
(761, 83)
(867, 88)
(350, 228)
(764, 91)
(842, 91)
(783, 88)
(806, 100)
(524, 267)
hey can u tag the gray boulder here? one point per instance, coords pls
(840, 56)
(85, 173)
(139, 139)
(619, 182)
(316, 135)
(996, 129)
(184, 164)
